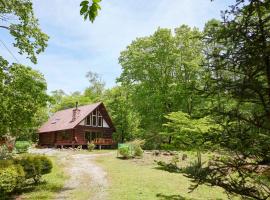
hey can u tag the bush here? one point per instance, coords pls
(131, 149)
(35, 166)
(11, 177)
(91, 146)
(125, 151)
(136, 147)
(4, 152)
(22, 146)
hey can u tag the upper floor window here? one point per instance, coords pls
(94, 119)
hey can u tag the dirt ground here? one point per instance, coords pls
(86, 180)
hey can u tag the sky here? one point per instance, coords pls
(77, 46)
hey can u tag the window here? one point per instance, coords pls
(90, 136)
(65, 135)
(94, 114)
(88, 120)
(100, 120)
(94, 119)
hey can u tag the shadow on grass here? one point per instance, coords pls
(161, 196)
(177, 171)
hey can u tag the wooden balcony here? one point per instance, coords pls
(98, 141)
(103, 141)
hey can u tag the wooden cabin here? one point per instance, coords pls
(78, 126)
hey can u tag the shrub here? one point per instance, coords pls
(11, 177)
(35, 166)
(22, 146)
(136, 147)
(46, 165)
(131, 149)
(125, 151)
(4, 152)
(91, 146)
(138, 151)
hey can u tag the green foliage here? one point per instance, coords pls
(125, 119)
(131, 149)
(11, 178)
(4, 152)
(22, 90)
(22, 146)
(189, 133)
(20, 108)
(90, 11)
(125, 151)
(28, 37)
(161, 72)
(136, 147)
(35, 166)
(91, 146)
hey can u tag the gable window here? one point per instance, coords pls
(100, 120)
(89, 119)
(94, 119)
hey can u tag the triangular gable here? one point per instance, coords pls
(99, 117)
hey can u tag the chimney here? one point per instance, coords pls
(75, 113)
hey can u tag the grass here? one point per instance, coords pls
(138, 179)
(51, 185)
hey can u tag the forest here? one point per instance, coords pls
(182, 89)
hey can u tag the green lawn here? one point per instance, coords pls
(138, 179)
(52, 183)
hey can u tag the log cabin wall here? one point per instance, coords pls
(65, 136)
(80, 132)
(47, 138)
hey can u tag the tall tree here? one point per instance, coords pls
(22, 90)
(124, 117)
(22, 95)
(239, 65)
(17, 17)
(162, 71)
(97, 86)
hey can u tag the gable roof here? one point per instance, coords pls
(62, 120)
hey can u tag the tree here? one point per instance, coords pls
(161, 72)
(96, 88)
(17, 17)
(126, 120)
(22, 96)
(22, 90)
(238, 62)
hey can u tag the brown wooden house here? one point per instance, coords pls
(78, 126)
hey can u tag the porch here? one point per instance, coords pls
(98, 142)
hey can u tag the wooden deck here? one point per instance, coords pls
(98, 142)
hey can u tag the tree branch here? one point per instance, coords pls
(6, 27)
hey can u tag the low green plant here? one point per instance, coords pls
(136, 147)
(125, 151)
(91, 146)
(4, 152)
(131, 149)
(11, 177)
(22, 146)
(35, 166)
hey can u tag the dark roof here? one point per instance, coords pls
(63, 119)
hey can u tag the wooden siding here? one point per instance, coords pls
(47, 138)
(76, 136)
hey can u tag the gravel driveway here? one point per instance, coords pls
(86, 180)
